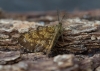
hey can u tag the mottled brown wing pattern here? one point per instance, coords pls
(39, 40)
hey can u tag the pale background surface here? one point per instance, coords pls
(46, 5)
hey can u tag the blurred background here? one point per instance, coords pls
(48, 5)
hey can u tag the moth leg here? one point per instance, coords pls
(62, 37)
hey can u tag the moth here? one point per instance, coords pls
(42, 39)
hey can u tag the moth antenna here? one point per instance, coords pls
(58, 16)
(62, 18)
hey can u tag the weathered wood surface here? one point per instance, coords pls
(81, 37)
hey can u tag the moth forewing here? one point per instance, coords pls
(53, 41)
(39, 39)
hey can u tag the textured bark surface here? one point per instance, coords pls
(80, 50)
